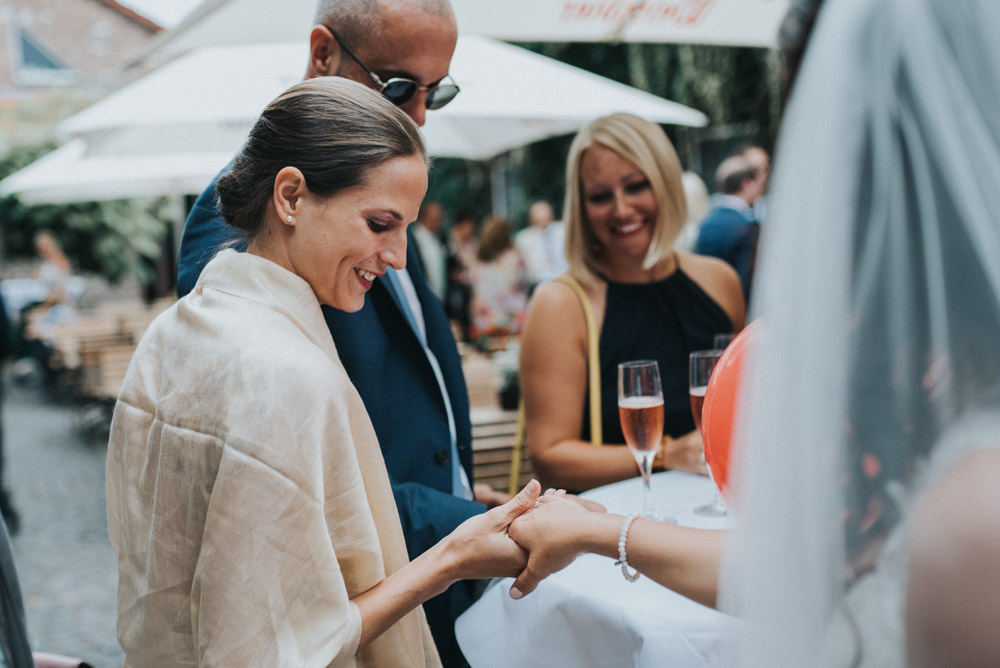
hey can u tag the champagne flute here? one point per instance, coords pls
(640, 409)
(720, 341)
(702, 363)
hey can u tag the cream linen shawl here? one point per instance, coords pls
(247, 497)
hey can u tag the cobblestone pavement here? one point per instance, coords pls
(65, 564)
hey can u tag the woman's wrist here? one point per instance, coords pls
(441, 565)
(600, 534)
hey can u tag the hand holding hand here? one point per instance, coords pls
(480, 546)
(587, 504)
(554, 533)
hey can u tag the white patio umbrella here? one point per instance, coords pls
(229, 22)
(173, 130)
(512, 97)
(72, 174)
(725, 22)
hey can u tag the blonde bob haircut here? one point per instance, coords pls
(645, 145)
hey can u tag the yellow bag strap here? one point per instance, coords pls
(593, 385)
(593, 360)
(514, 481)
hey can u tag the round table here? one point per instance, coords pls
(589, 615)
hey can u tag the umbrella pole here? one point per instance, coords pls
(498, 186)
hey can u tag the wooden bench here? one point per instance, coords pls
(493, 435)
(93, 351)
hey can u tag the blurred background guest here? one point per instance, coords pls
(499, 283)
(542, 244)
(624, 207)
(696, 195)
(427, 236)
(55, 269)
(462, 242)
(731, 230)
(462, 249)
(39, 319)
(761, 162)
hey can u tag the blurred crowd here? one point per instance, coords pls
(484, 271)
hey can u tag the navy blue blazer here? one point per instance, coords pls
(727, 234)
(387, 364)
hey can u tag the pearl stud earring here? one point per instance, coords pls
(289, 218)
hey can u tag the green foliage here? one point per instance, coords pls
(114, 239)
(460, 185)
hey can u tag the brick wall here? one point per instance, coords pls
(91, 38)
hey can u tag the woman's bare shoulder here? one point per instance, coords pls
(554, 308)
(719, 280)
(702, 266)
(553, 293)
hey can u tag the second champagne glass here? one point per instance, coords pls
(702, 363)
(721, 341)
(640, 408)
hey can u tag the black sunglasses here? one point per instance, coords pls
(399, 90)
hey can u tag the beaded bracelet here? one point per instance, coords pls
(622, 557)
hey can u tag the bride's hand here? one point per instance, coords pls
(554, 533)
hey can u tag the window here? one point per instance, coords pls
(38, 66)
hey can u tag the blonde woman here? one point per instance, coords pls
(624, 208)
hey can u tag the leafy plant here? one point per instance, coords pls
(114, 239)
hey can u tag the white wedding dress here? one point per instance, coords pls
(875, 365)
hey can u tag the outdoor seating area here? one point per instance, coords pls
(88, 354)
(494, 429)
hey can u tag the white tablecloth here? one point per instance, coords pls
(588, 615)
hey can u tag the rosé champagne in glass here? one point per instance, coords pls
(640, 409)
(697, 404)
(642, 422)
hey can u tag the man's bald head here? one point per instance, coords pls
(358, 21)
(410, 39)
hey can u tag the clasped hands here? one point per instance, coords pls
(530, 537)
(534, 535)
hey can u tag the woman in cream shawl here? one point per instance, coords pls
(248, 503)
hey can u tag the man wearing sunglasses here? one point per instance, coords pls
(398, 350)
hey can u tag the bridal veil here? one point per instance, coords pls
(877, 357)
